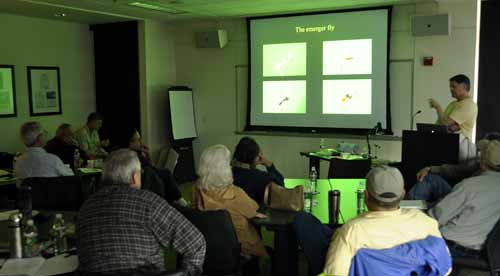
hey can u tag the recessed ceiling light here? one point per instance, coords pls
(152, 7)
(60, 14)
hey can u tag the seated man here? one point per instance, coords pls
(159, 181)
(435, 182)
(64, 145)
(88, 138)
(467, 214)
(384, 226)
(123, 228)
(35, 161)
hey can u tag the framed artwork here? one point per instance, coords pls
(7, 91)
(44, 87)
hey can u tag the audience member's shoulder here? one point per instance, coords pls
(148, 195)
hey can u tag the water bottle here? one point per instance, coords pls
(321, 144)
(313, 179)
(15, 239)
(76, 159)
(360, 195)
(30, 238)
(310, 190)
(14, 161)
(58, 235)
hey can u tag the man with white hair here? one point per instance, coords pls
(468, 214)
(122, 228)
(36, 162)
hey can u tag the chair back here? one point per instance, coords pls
(493, 248)
(223, 248)
(343, 168)
(54, 193)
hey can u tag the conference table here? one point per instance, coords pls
(61, 264)
(285, 257)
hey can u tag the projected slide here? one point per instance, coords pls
(347, 96)
(284, 59)
(347, 57)
(284, 97)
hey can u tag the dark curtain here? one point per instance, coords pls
(489, 62)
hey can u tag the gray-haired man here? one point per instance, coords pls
(36, 162)
(124, 228)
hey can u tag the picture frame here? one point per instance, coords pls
(44, 87)
(7, 91)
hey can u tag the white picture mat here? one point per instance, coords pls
(6, 91)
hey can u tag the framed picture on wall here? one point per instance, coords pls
(44, 88)
(7, 91)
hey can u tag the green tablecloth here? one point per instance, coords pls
(348, 196)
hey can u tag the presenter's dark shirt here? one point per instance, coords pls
(254, 181)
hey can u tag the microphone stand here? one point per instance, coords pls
(375, 129)
(413, 118)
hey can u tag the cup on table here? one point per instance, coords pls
(90, 163)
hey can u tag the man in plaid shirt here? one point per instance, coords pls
(124, 228)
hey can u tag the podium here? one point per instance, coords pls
(422, 149)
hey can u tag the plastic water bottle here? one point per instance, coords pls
(310, 190)
(76, 159)
(14, 161)
(30, 239)
(360, 196)
(58, 235)
(321, 144)
(313, 179)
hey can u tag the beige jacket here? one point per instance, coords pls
(241, 208)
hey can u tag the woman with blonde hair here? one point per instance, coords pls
(214, 190)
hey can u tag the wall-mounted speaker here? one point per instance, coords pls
(430, 25)
(211, 39)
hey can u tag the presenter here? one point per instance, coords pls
(460, 115)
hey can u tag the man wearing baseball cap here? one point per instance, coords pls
(384, 226)
(467, 214)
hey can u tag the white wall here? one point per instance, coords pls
(158, 72)
(30, 41)
(212, 75)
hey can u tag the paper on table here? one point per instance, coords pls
(21, 267)
(59, 264)
(413, 204)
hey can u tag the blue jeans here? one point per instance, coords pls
(314, 238)
(460, 252)
(431, 189)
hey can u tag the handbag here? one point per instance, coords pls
(281, 198)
